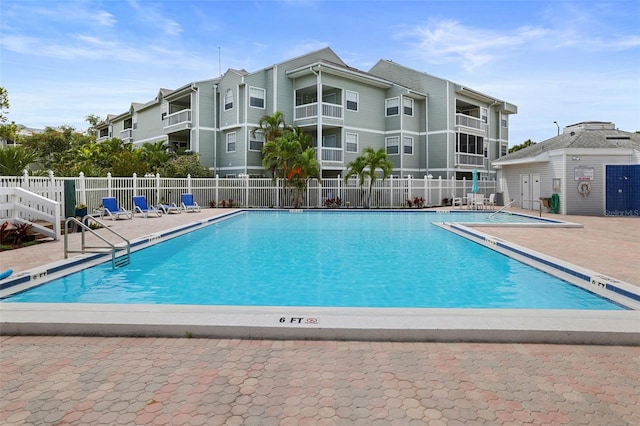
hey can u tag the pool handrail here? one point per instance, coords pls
(502, 208)
(82, 224)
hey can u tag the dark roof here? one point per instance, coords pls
(579, 138)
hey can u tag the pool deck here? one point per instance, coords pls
(216, 381)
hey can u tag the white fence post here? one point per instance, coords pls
(189, 184)
(109, 185)
(427, 190)
(52, 186)
(217, 186)
(440, 188)
(25, 179)
(157, 188)
(135, 184)
(83, 188)
(246, 192)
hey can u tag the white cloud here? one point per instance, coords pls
(151, 15)
(443, 41)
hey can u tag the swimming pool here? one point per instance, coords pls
(367, 259)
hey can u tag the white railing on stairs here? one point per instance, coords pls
(21, 206)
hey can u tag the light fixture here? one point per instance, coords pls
(558, 126)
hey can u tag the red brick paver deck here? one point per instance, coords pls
(68, 380)
(111, 381)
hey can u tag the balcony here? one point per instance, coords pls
(331, 111)
(333, 155)
(126, 135)
(466, 159)
(177, 121)
(463, 120)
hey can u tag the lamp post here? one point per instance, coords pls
(558, 126)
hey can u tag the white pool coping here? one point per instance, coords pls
(311, 323)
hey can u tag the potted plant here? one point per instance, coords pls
(81, 210)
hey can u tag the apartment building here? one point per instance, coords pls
(428, 125)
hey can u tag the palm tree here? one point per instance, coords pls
(366, 166)
(14, 159)
(273, 126)
(306, 166)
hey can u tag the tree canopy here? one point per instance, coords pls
(287, 154)
(524, 144)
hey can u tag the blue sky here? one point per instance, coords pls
(564, 61)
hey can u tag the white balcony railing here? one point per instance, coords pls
(126, 134)
(306, 111)
(179, 117)
(331, 110)
(470, 122)
(311, 110)
(465, 159)
(332, 154)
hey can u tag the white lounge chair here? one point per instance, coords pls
(188, 204)
(169, 208)
(141, 206)
(111, 209)
(491, 201)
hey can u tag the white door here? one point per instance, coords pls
(525, 192)
(535, 192)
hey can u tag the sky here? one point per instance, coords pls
(558, 61)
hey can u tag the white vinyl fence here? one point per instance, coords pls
(248, 192)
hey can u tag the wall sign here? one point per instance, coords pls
(583, 173)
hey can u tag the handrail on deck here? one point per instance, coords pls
(82, 224)
(504, 207)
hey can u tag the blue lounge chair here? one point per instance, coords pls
(188, 205)
(111, 208)
(141, 206)
(169, 208)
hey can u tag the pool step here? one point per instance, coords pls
(121, 261)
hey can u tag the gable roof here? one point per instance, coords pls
(577, 136)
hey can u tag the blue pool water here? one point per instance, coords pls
(368, 259)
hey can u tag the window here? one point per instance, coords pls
(392, 106)
(256, 142)
(231, 142)
(470, 144)
(351, 142)
(392, 144)
(407, 143)
(483, 114)
(329, 141)
(228, 99)
(505, 121)
(407, 104)
(256, 97)
(352, 101)
(503, 150)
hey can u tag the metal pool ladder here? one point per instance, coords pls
(109, 247)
